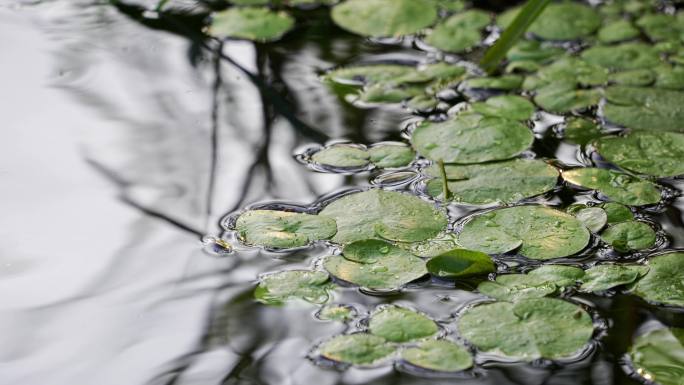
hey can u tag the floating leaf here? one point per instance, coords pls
(528, 329)
(341, 313)
(439, 355)
(505, 106)
(386, 267)
(662, 27)
(461, 263)
(311, 286)
(282, 229)
(567, 71)
(619, 187)
(379, 214)
(342, 156)
(398, 324)
(503, 182)
(560, 21)
(617, 31)
(432, 247)
(459, 32)
(637, 77)
(654, 153)
(580, 130)
(391, 155)
(544, 233)
(561, 97)
(625, 56)
(504, 82)
(377, 73)
(251, 23)
(561, 275)
(616, 212)
(471, 138)
(604, 277)
(658, 356)
(628, 236)
(356, 349)
(381, 18)
(592, 217)
(540, 282)
(664, 282)
(645, 108)
(534, 51)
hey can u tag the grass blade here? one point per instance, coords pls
(527, 15)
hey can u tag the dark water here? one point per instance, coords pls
(124, 142)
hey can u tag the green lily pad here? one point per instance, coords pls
(356, 349)
(638, 77)
(528, 329)
(670, 77)
(604, 277)
(377, 73)
(664, 282)
(381, 18)
(388, 93)
(540, 282)
(628, 236)
(660, 26)
(460, 32)
(504, 82)
(505, 106)
(398, 324)
(562, 97)
(654, 153)
(658, 356)
(618, 187)
(625, 56)
(391, 155)
(367, 250)
(341, 313)
(388, 268)
(617, 31)
(616, 212)
(471, 138)
(342, 156)
(559, 21)
(645, 108)
(432, 247)
(461, 263)
(544, 233)
(282, 229)
(439, 355)
(450, 5)
(503, 182)
(567, 70)
(533, 51)
(593, 217)
(379, 214)
(580, 130)
(277, 288)
(251, 23)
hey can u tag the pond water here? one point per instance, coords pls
(125, 143)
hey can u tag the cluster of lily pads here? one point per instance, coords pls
(612, 73)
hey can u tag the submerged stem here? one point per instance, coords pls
(445, 184)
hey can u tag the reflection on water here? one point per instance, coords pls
(123, 143)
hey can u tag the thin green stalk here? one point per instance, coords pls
(445, 184)
(527, 15)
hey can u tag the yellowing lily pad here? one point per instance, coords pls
(619, 187)
(311, 286)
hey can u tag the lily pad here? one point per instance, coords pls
(604, 277)
(658, 356)
(503, 182)
(628, 236)
(567, 70)
(379, 214)
(528, 329)
(461, 263)
(311, 286)
(439, 355)
(356, 349)
(664, 282)
(616, 212)
(625, 56)
(533, 51)
(341, 313)
(342, 156)
(391, 155)
(459, 32)
(660, 26)
(544, 233)
(471, 138)
(377, 73)
(505, 106)
(618, 187)
(645, 108)
(617, 31)
(251, 23)
(559, 21)
(637, 77)
(504, 82)
(398, 324)
(432, 247)
(540, 282)
(654, 153)
(283, 229)
(562, 97)
(580, 130)
(382, 18)
(593, 217)
(389, 269)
